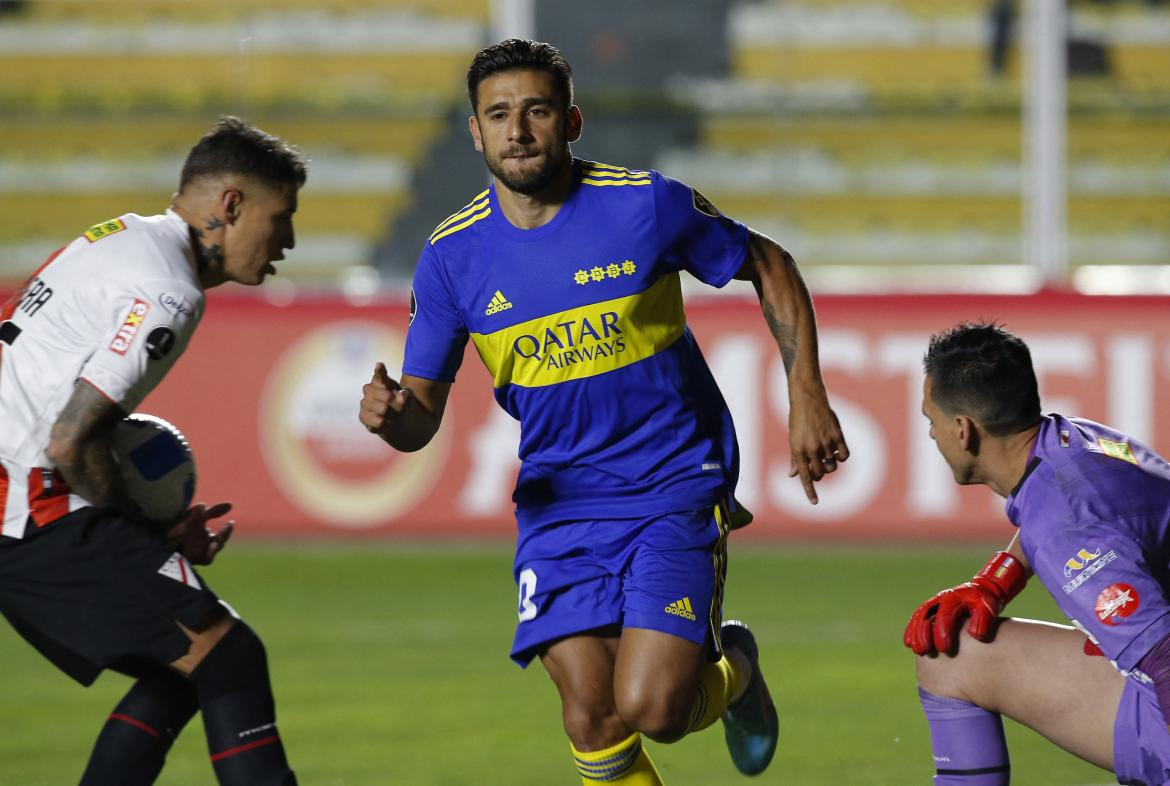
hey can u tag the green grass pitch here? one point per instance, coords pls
(390, 667)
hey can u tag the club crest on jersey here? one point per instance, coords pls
(130, 327)
(104, 229)
(1117, 450)
(1116, 602)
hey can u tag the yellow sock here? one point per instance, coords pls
(625, 763)
(717, 685)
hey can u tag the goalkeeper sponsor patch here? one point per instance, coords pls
(1090, 569)
(1116, 602)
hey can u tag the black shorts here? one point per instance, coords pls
(92, 590)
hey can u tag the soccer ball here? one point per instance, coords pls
(157, 466)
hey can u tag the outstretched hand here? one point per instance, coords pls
(817, 444)
(192, 537)
(383, 399)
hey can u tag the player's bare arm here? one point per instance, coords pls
(406, 414)
(814, 433)
(79, 446)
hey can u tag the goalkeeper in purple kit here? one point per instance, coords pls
(1092, 508)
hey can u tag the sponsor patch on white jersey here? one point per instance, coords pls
(175, 304)
(130, 327)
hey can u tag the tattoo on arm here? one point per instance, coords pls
(784, 334)
(768, 260)
(79, 443)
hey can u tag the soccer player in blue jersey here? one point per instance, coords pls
(565, 275)
(1092, 507)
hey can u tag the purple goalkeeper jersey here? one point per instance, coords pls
(1093, 510)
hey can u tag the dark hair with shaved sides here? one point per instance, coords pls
(517, 54)
(236, 147)
(985, 372)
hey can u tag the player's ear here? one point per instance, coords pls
(968, 433)
(574, 123)
(473, 126)
(230, 201)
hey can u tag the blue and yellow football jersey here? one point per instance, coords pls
(580, 322)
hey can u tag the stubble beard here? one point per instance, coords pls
(532, 182)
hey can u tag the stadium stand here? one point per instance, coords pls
(877, 135)
(869, 135)
(105, 98)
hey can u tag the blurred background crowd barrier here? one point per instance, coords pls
(884, 142)
(273, 421)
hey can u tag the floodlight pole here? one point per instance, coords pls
(513, 19)
(1045, 107)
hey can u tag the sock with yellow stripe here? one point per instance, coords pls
(626, 763)
(717, 684)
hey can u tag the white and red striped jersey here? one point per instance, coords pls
(116, 307)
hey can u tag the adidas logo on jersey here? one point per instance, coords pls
(499, 303)
(681, 608)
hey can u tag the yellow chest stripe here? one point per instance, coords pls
(586, 341)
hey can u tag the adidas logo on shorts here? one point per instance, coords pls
(682, 608)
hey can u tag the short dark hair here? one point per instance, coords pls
(981, 370)
(234, 146)
(518, 54)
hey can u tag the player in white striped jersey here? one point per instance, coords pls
(115, 308)
(83, 577)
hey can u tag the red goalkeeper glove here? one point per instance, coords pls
(935, 625)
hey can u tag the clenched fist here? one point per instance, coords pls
(383, 400)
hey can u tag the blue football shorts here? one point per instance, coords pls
(662, 573)
(1141, 742)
